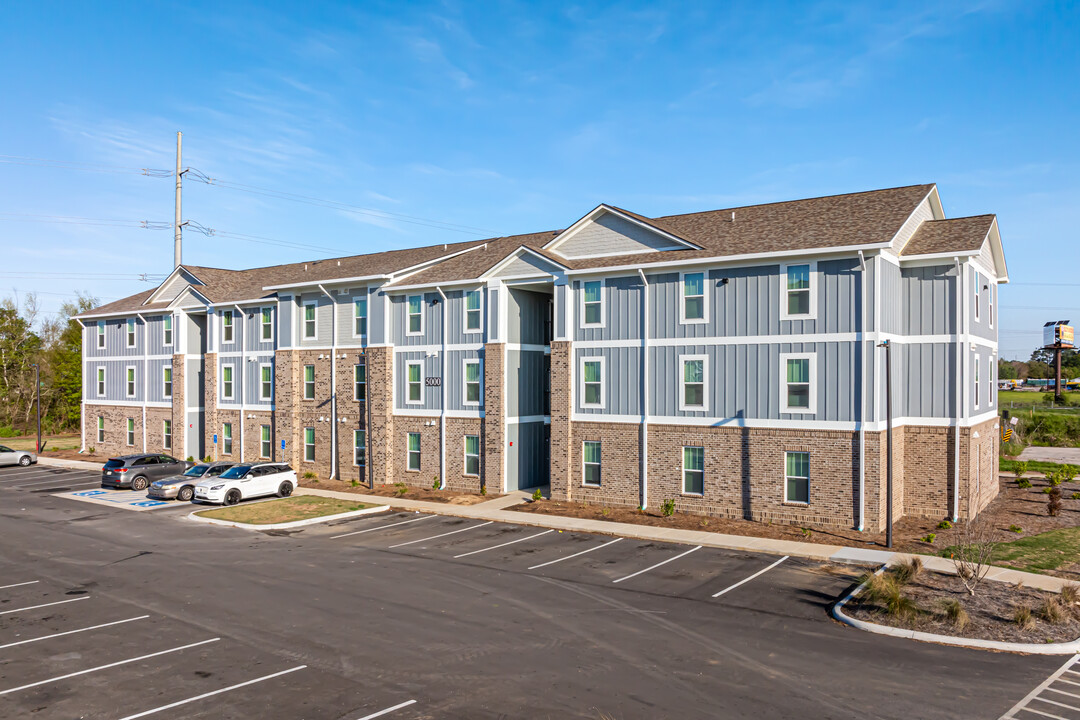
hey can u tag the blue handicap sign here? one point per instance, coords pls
(282, 444)
(215, 438)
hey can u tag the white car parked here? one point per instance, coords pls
(248, 480)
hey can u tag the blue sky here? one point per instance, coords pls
(517, 117)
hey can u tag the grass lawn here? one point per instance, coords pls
(1038, 553)
(283, 510)
(52, 442)
(1037, 466)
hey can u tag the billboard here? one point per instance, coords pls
(1057, 334)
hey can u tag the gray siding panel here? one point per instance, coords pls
(621, 310)
(561, 294)
(891, 311)
(611, 234)
(286, 314)
(430, 367)
(493, 312)
(928, 300)
(156, 380)
(115, 339)
(253, 380)
(526, 265)
(987, 400)
(923, 380)
(985, 285)
(253, 341)
(622, 380)
(323, 320)
(527, 314)
(455, 318)
(432, 320)
(377, 330)
(346, 321)
(455, 379)
(525, 382)
(155, 333)
(238, 365)
(115, 380)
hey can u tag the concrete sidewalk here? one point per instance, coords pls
(76, 464)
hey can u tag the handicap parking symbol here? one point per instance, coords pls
(91, 493)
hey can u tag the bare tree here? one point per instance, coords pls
(973, 555)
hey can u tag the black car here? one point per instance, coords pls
(138, 471)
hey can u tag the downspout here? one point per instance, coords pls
(243, 373)
(145, 373)
(442, 402)
(333, 384)
(644, 390)
(82, 403)
(960, 295)
(862, 398)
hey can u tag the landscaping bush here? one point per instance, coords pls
(1051, 610)
(1053, 506)
(1023, 484)
(944, 525)
(667, 508)
(435, 483)
(308, 475)
(1070, 594)
(1016, 529)
(1019, 468)
(1023, 618)
(907, 571)
(401, 488)
(537, 495)
(955, 613)
(1069, 472)
(929, 538)
(7, 432)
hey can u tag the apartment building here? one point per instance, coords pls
(727, 360)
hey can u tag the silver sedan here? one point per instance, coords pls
(182, 487)
(23, 458)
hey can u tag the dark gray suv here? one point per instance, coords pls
(138, 471)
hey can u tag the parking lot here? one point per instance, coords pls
(82, 485)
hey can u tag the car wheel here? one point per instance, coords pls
(285, 489)
(139, 483)
(186, 493)
(24, 461)
(232, 497)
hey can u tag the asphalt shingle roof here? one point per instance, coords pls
(965, 234)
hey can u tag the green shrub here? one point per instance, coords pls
(1055, 478)
(401, 488)
(189, 458)
(91, 449)
(807, 533)
(1070, 593)
(944, 525)
(1074, 496)
(483, 489)
(355, 483)
(667, 508)
(308, 475)
(1016, 529)
(955, 613)
(435, 483)
(605, 512)
(537, 495)
(208, 459)
(1023, 618)
(1069, 472)
(1019, 468)
(1051, 610)
(929, 538)
(1023, 484)
(8, 431)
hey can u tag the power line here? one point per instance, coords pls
(46, 292)
(76, 220)
(88, 167)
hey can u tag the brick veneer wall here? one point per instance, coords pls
(429, 451)
(115, 428)
(929, 471)
(381, 433)
(155, 431)
(179, 419)
(493, 440)
(456, 430)
(563, 486)
(620, 463)
(979, 456)
(211, 421)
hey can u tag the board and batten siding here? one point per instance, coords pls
(455, 379)
(430, 367)
(286, 314)
(115, 339)
(621, 379)
(526, 316)
(346, 319)
(526, 382)
(432, 320)
(928, 300)
(987, 286)
(115, 380)
(323, 320)
(621, 310)
(526, 455)
(155, 334)
(892, 312)
(924, 380)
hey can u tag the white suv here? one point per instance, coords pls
(248, 480)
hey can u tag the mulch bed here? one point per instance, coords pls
(75, 455)
(452, 497)
(990, 609)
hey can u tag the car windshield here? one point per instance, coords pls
(114, 463)
(234, 473)
(196, 471)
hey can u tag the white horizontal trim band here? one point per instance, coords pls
(125, 358)
(128, 403)
(845, 426)
(521, 419)
(470, 414)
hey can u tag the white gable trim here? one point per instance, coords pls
(187, 292)
(494, 269)
(935, 208)
(601, 209)
(996, 249)
(188, 275)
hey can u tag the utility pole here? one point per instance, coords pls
(37, 402)
(177, 233)
(888, 443)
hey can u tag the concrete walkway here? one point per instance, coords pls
(1063, 455)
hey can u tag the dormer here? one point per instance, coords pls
(609, 231)
(180, 279)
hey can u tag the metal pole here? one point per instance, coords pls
(176, 225)
(1057, 373)
(37, 401)
(888, 445)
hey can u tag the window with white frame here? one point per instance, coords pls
(975, 287)
(166, 434)
(798, 285)
(309, 321)
(166, 325)
(798, 394)
(472, 455)
(360, 317)
(266, 382)
(227, 326)
(166, 383)
(694, 309)
(412, 460)
(991, 366)
(592, 379)
(414, 391)
(101, 334)
(265, 445)
(415, 309)
(227, 382)
(593, 303)
(693, 470)
(472, 311)
(101, 382)
(694, 380)
(309, 382)
(131, 431)
(266, 324)
(309, 444)
(226, 438)
(100, 429)
(975, 362)
(472, 382)
(131, 333)
(130, 376)
(797, 477)
(359, 382)
(590, 459)
(359, 442)
(990, 299)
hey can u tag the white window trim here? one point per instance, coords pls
(101, 334)
(271, 396)
(419, 453)
(704, 298)
(812, 315)
(129, 432)
(408, 316)
(314, 322)
(226, 436)
(682, 474)
(355, 317)
(102, 378)
(166, 435)
(269, 442)
(232, 326)
(166, 369)
(784, 408)
(977, 294)
(304, 383)
(355, 383)
(990, 299)
(167, 320)
(465, 456)
(603, 380)
(788, 500)
(263, 324)
(465, 313)
(583, 464)
(100, 428)
(465, 382)
(603, 303)
(232, 382)
(683, 407)
(133, 383)
(130, 339)
(409, 364)
(975, 361)
(305, 444)
(355, 446)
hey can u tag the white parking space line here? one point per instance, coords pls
(496, 547)
(31, 582)
(746, 580)
(35, 607)
(1022, 705)
(571, 557)
(1059, 704)
(387, 711)
(72, 632)
(54, 481)
(34, 475)
(436, 537)
(1064, 693)
(1044, 714)
(178, 703)
(106, 667)
(383, 527)
(665, 562)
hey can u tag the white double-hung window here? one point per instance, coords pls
(309, 382)
(266, 324)
(412, 452)
(592, 382)
(360, 317)
(472, 455)
(266, 382)
(414, 379)
(415, 309)
(590, 463)
(131, 382)
(471, 382)
(166, 325)
(101, 334)
(592, 303)
(360, 382)
(226, 382)
(359, 440)
(100, 429)
(975, 362)
(227, 326)
(166, 382)
(265, 445)
(797, 477)
(473, 320)
(798, 291)
(694, 306)
(131, 333)
(309, 321)
(798, 393)
(693, 470)
(101, 382)
(694, 382)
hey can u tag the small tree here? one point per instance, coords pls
(1053, 505)
(973, 554)
(1019, 469)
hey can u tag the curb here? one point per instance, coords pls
(1066, 648)
(286, 526)
(61, 462)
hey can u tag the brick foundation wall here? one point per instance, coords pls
(179, 420)
(211, 421)
(493, 440)
(620, 463)
(929, 471)
(429, 450)
(981, 462)
(115, 429)
(456, 430)
(381, 433)
(155, 431)
(562, 482)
